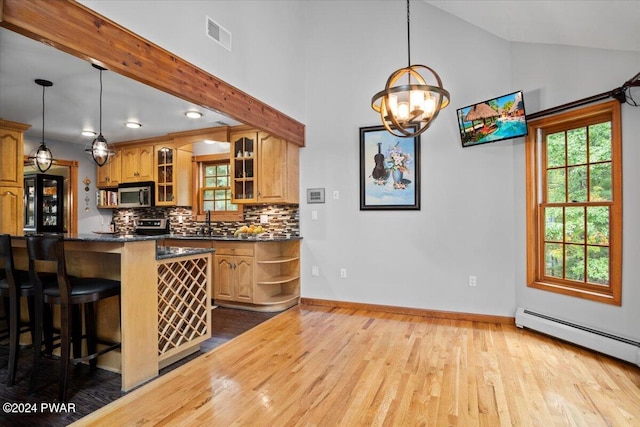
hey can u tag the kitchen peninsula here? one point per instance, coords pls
(251, 273)
(165, 307)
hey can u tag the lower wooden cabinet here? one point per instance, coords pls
(253, 275)
(233, 278)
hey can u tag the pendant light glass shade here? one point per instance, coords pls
(407, 110)
(99, 149)
(42, 157)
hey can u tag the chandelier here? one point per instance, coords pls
(99, 149)
(408, 109)
(42, 157)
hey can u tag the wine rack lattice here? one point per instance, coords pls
(182, 303)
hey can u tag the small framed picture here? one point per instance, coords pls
(389, 170)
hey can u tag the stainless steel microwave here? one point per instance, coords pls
(136, 195)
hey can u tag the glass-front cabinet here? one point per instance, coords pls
(243, 147)
(165, 176)
(43, 203)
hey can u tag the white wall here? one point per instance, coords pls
(321, 61)
(266, 60)
(406, 258)
(555, 75)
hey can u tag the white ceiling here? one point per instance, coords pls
(72, 101)
(608, 24)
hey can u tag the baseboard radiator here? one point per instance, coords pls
(603, 342)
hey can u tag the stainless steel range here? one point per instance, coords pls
(151, 226)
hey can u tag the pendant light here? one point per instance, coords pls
(407, 110)
(99, 149)
(42, 157)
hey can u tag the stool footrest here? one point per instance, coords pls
(111, 346)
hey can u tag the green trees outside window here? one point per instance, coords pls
(216, 192)
(574, 226)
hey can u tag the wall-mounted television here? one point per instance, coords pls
(493, 120)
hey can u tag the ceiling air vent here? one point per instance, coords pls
(219, 34)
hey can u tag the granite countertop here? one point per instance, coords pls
(100, 237)
(165, 252)
(224, 237)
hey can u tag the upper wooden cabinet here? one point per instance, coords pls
(11, 176)
(173, 175)
(11, 153)
(109, 175)
(11, 203)
(137, 163)
(264, 169)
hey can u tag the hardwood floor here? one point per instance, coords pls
(89, 391)
(338, 367)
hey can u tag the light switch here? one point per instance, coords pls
(336, 194)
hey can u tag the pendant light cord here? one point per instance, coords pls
(43, 87)
(408, 37)
(100, 102)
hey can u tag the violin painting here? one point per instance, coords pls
(379, 171)
(389, 170)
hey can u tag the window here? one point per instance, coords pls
(215, 188)
(574, 203)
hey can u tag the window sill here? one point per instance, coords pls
(602, 297)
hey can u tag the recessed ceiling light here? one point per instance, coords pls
(87, 132)
(193, 114)
(133, 125)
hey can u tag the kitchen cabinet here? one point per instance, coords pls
(277, 278)
(173, 176)
(243, 166)
(11, 210)
(109, 175)
(252, 275)
(264, 168)
(11, 153)
(233, 278)
(137, 163)
(11, 176)
(233, 272)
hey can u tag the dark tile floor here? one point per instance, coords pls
(89, 391)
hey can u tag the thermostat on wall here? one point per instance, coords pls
(315, 195)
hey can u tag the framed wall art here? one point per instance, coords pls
(389, 170)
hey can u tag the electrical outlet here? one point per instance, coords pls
(343, 273)
(264, 219)
(472, 280)
(314, 215)
(315, 271)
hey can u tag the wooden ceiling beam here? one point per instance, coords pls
(80, 31)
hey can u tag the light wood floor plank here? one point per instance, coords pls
(314, 365)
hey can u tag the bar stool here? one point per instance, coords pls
(70, 294)
(14, 284)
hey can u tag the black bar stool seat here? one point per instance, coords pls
(14, 284)
(71, 294)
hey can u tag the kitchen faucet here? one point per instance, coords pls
(208, 221)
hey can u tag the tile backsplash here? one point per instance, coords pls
(283, 219)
